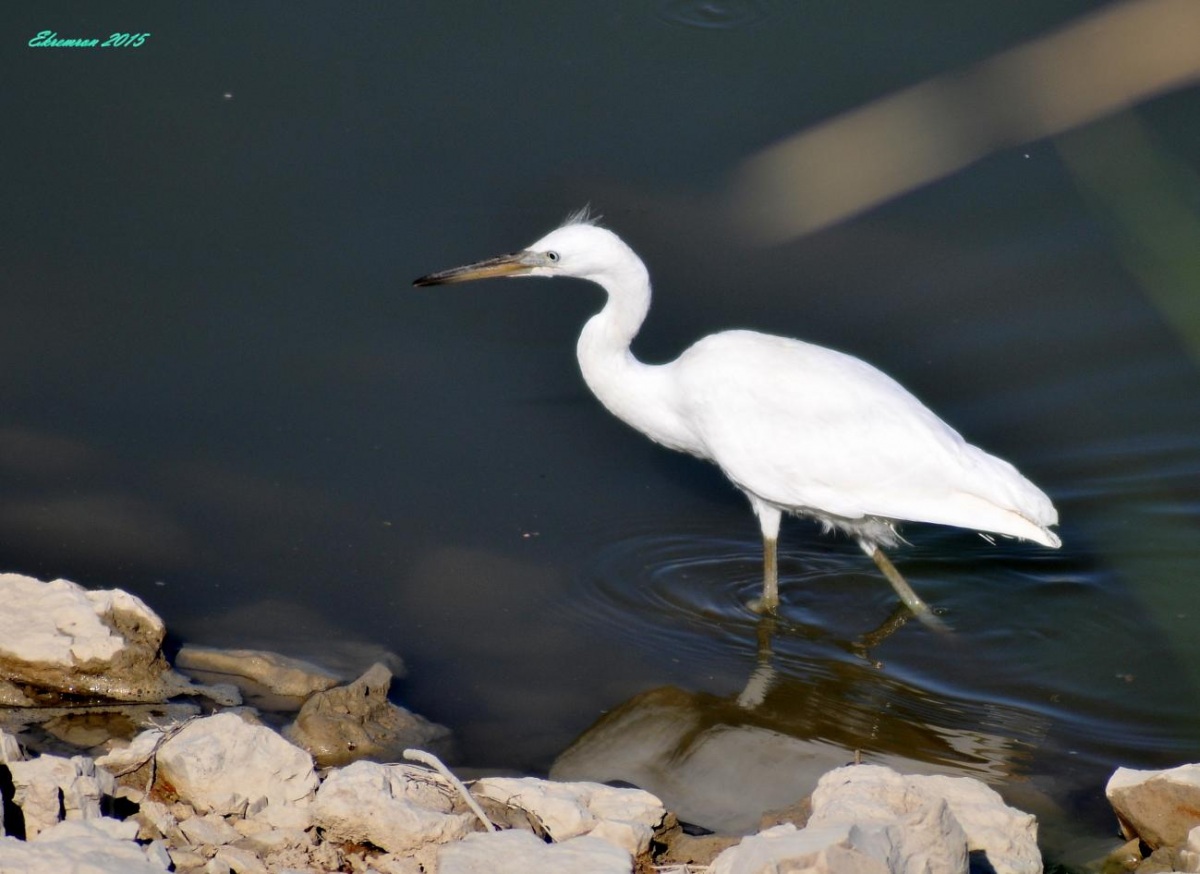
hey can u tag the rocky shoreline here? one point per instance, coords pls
(113, 760)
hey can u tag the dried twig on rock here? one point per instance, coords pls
(432, 761)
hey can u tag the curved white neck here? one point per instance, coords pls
(638, 394)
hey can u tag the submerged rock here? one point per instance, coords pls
(266, 679)
(59, 639)
(357, 721)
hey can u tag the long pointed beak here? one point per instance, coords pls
(513, 264)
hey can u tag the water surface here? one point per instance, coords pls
(221, 393)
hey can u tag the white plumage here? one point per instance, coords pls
(799, 428)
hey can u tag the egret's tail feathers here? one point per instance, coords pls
(1049, 539)
(974, 512)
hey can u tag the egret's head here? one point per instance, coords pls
(579, 248)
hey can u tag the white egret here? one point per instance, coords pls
(798, 428)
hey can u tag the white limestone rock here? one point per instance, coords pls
(265, 840)
(10, 749)
(870, 819)
(928, 819)
(49, 785)
(221, 764)
(520, 852)
(135, 754)
(218, 866)
(117, 829)
(156, 821)
(62, 638)
(820, 850)
(392, 864)
(240, 860)
(626, 818)
(186, 860)
(902, 827)
(158, 854)
(1007, 835)
(390, 806)
(43, 622)
(94, 846)
(1159, 807)
(285, 816)
(1189, 853)
(210, 830)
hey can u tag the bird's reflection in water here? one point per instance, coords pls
(721, 762)
(765, 673)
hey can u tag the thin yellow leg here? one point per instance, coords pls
(768, 521)
(770, 598)
(910, 598)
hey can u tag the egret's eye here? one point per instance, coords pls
(551, 256)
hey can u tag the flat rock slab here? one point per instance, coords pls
(1159, 807)
(259, 674)
(520, 852)
(60, 638)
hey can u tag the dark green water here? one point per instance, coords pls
(220, 391)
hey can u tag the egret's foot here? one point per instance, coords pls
(763, 607)
(933, 622)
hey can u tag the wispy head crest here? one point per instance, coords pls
(582, 217)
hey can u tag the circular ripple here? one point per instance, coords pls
(714, 15)
(691, 592)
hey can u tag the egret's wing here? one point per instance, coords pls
(812, 429)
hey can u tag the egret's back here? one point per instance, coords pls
(821, 433)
